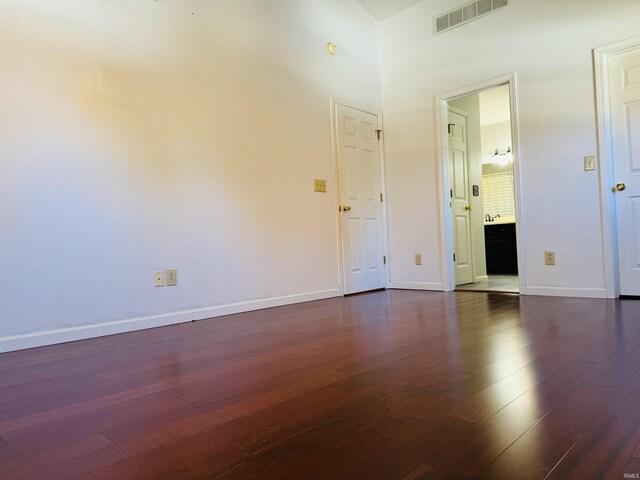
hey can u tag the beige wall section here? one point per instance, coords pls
(471, 105)
(142, 135)
(548, 45)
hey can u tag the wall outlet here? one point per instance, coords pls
(549, 258)
(172, 277)
(589, 163)
(418, 259)
(158, 279)
(320, 185)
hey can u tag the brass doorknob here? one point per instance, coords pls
(346, 208)
(468, 207)
(620, 186)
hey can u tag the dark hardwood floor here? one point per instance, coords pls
(388, 385)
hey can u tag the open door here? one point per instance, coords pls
(624, 98)
(460, 196)
(360, 196)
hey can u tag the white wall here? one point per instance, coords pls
(548, 44)
(144, 135)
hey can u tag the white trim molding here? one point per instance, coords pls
(442, 144)
(564, 291)
(605, 164)
(82, 332)
(434, 286)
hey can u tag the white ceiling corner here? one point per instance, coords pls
(381, 9)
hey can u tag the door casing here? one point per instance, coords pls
(333, 101)
(441, 108)
(605, 162)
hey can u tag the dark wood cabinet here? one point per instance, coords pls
(500, 249)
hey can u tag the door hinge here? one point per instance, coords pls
(378, 132)
(449, 127)
(454, 257)
(384, 259)
(451, 193)
(380, 197)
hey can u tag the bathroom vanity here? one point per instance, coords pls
(500, 246)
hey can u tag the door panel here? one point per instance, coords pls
(462, 232)
(624, 95)
(351, 173)
(460, 198)
(634, 207)
(359, 189)
(372, 242)
(353, 232)
(632, 125)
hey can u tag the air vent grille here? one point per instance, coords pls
(466, 13)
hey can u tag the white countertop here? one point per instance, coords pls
(501, 221)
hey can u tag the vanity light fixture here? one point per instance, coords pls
(503, 158)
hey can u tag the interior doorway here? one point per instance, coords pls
(479, 179)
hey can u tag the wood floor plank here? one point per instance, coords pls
(636, 453)
(531, 457)
(631, 469)
(427, 472)
(619, 371)
(603, 451)
(386, 385)
(45, 459)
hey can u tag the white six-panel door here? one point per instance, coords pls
(460, 198)
(624, 97)
(360, 199)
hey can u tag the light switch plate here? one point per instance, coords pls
(589, 163)
(320, 185)
(418, 259)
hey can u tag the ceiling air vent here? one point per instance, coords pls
(466, 13)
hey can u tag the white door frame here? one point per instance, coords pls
(333, 101)
(442, 142)
(605, 170)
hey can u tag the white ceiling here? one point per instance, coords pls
(381, 9)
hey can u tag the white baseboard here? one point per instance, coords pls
(529, 290)
(50, 337)
(564, 292)
(481, 278)
(417, 286)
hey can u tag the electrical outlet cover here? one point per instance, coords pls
(172, 277)
(418, 259)
(549, 258)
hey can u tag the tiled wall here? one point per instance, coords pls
(498, 194)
